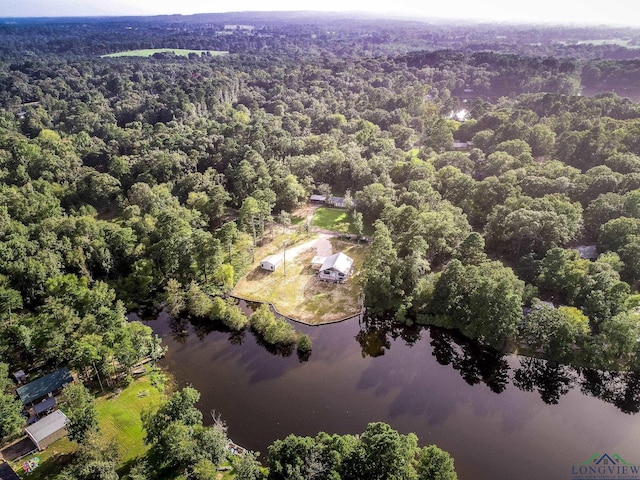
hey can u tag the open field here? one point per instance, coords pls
(300, 294)
(148, 52)
(337, 220)
(120, 417)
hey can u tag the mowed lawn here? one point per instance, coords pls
(119, 420)
(119, 416)
(337, 220)
(334, 219)
(150, 51)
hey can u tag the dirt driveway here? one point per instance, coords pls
(322, 244)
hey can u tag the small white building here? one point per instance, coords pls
(336, 268)
(272, 262)
(46, 431)
(318, 198)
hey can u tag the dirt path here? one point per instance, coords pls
(322, 244)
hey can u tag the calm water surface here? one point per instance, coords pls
(449, 393)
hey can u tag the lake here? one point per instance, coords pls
(501, 417)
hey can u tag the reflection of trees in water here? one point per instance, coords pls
(550, 379)
(621, 389)
(376, 333)
(179, 328)
(475, 362)
(203, 327)
(478, 363)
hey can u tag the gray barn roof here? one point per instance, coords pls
(47, 426)
(42, 386)
(338, 261)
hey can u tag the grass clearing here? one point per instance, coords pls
(149, 52)
(300, 294)
(119, 416)
(119, 420)
(335, 219)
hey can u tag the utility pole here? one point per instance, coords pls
(284, 258)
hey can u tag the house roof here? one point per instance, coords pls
(47, 426)
(7, 473)
(274, 259)
(39, 388)
(318, 198)
(337, 201)
(318, 260)
(44, 405)
(338, 261)
(590, 252)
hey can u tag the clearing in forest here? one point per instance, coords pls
(300, 294)
(119, 420)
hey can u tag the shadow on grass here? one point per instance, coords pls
(258, 274)
(49, 468)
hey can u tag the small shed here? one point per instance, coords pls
(51, 383)
(20, 377)
(6, 472)
(336, 268)
(46, 431)
(272, 262)
(318, 198)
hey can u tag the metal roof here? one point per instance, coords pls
(318, 260)
(47, 426)
(275, 259)
(338, 261)
(44, 405)
(42, 386)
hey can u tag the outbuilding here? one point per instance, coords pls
(272, 262)
(318, 198)
(336, 268)
(46, 431)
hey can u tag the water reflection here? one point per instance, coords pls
(477, 363)
(474, 362)
(619, 389)
(550, 379)
(376, 333)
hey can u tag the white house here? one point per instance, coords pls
(272, 262)
(336, 268)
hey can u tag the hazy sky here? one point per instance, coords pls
(597, 12)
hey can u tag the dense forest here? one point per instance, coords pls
(470, 151)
